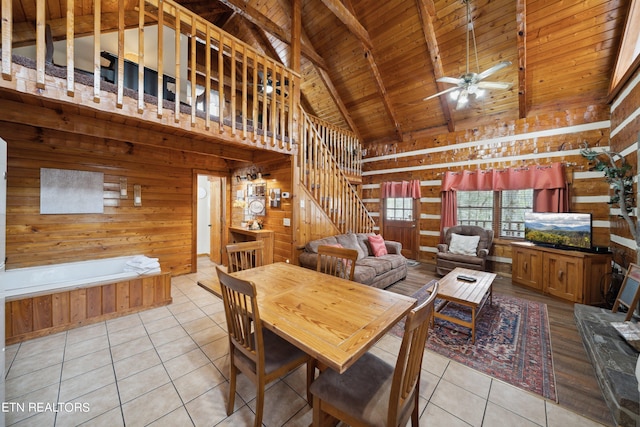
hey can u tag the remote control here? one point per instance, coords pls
(467, 278)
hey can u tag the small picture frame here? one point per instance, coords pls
(629, 293)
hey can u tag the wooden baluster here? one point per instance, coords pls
(160, 95)
(141, 17)
(178, 51)
(255, 102)
(120, 89)
(244, 92)
(221, 80)
(70, 48)
(96, 50)
(207, 81)
(41, 44)
(7, 34)
(233, 88)
(192, 51)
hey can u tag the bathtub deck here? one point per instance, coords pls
(38, 315)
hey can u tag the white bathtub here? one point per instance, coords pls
(53, 278)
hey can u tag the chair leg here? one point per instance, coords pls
(311, 376)
(259, 403)
(233, 372)
(321, 418)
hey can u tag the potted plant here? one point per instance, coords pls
(619, 174)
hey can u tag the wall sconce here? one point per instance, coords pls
(123, 188)
(137, 195)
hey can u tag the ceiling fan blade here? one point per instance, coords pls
(451, 89)
(497, 67)
(494, 85)
(451, 80)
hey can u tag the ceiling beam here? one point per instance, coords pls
(336, 98)
(521, 41)
(380, 84)
(427, 12)
(254, 16)
(347, 18)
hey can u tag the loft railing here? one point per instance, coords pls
(323, 177)
(225, 82)
(343, 145)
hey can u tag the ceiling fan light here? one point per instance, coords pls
(480, 93)
(269, 89)
(463, 100)
(454, 95)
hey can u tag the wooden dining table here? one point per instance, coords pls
(332, 319)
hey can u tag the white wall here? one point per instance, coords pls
(204, 215)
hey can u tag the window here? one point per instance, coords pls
(497, 210)
(399, 208)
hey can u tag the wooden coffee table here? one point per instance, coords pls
(471, 294)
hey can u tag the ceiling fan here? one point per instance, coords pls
(267, 86)
(470, 83)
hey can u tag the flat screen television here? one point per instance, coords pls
(559, 230)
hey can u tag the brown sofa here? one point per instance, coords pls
(378, 272)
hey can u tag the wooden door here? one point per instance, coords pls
(400, 223)
(216, 186)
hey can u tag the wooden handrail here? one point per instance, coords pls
(254, 92)
(325, 179)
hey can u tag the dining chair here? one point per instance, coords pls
(372, 392)
(258, 353)
(337, 261)
(245, 255)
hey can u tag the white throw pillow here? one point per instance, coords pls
(464, 245)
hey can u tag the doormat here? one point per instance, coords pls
(512, 341)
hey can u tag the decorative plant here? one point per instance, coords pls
(619, 174)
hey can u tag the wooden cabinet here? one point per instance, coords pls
(238, 234)
(572, 275)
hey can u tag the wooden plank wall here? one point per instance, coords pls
(539, 140)
(276, 174)
(161, 227)
(625, 137)
(40, 315)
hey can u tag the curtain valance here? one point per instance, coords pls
(535, 177)
(400, 189)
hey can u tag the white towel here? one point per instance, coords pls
(142, 265)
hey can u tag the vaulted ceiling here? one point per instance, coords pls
(367, 65)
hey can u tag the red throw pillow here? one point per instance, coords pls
(377, 245)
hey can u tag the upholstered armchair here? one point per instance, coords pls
(465, 246)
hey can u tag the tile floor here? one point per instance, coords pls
(168, 367)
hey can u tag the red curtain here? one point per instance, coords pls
(401, 189)
(550, 188)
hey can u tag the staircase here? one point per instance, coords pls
(330, 160)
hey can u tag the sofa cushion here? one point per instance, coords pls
(363, 241)
(364, 274)
(350, 241)
(377, 245)
(464, 245)
(312, 246)
(379, 265)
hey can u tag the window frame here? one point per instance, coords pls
(496, 219)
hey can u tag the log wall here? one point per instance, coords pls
(625, 134)
(539, 140)
(162, 227)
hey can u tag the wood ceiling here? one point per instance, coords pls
(367, 65)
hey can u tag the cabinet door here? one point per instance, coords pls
(564, 277)
(527, 267)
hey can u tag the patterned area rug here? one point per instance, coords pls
(512, 341)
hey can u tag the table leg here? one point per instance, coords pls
(473, 325)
